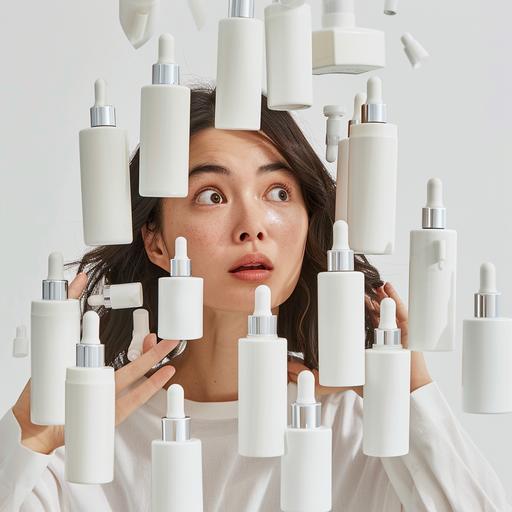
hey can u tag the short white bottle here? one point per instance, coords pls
(180, 299)
(90, 410)
(432, 277)
(105, 176)
(176, 461)
(164, 128)
(334, 130)
(487, 352)
(306, 466)
(55, 330)
(386, 405)
(262, 383)
(373, 177)
(289, 55)
(140, 331)
(118, 296)
(341, 331)
(239, 69)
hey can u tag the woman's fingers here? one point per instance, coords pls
(149, 342)
(77, 286)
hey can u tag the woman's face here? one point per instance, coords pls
(243, 199)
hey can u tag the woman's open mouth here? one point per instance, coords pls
(251, 272)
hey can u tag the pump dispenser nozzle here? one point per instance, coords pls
(434, 213)
(334, 130)
(55, 287)
(165, 70)
(101, 113)
(175, 425)
(90, 352)
(306, 410)
(262, 322)
(487, 299)
(387, 335)
(340, 257)
(374, 110)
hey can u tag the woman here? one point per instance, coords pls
(266, 195)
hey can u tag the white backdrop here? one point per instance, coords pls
(453, 116)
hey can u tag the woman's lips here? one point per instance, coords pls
(257, 274)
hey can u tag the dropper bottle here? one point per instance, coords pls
(262, 382)
(341, 329)
(118, 296)
(306, 466)
(54, 331)
(176, 461)
(487, 351)
(432, 277)
(387, 389)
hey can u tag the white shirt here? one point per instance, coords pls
(443, 471)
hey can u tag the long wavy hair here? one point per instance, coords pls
(298, 316)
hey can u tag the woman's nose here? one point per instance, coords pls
(248, 236)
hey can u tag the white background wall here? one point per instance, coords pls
(453, 115)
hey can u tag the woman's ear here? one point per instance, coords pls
(155, 247)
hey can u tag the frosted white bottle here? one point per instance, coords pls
(90, 410)
(140, 331)
(386, 405)
(487, 352)
(164, 128)
(373, 177)
(432, 276)
(105, 176)
(239, 69)
(118, 296)
(180, 299)
(262, 383)
(176, 461)
(289, 55)
(341, 332)
(306, 466)
(55, 330)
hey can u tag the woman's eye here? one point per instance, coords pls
(282, 193)
(209, 196)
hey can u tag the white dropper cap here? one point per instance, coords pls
(101, 113)
(488, 278)
(20, 343)
(434, 213)
(175, 425)
(374, 110)
(140, 331)
(390, 7)
(91, 328)
(341, 256)
(414, 51)
(175, 401)
(387, 314)
(90, 352)
(306, 388)
(306, 411)
(486, 300)
(180, 264)
(262, 322)
(334, 130)
(374, 90)
(55, 287)
(387, 335)
(165, 70)
(55, 266)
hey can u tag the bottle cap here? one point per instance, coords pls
(118, 296)
(262, 322)
(175, 425)
(241, 8)
(341, 256)
(434, 213)
(359, 101)
(20, 343)
(390, 7)
(140, 331)
(334, 131)
(55, 287)
(166, 71)
(101, 113)
(387, 335)
(414, 51)
(90, 352)
(180, 264)
(486, 300)
(374, 110)
(306, 411)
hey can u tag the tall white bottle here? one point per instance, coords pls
(55, 330)
(373, 177)
(105, 176)
(289, 55)
(180, 299)
(386, 405)
(341, 333)
(176, 461)
(306, 466)
(487, 351)
(262, 383)
(118, 296)
(239, 69)
(432, 275)
(164, 128)
(90, 410)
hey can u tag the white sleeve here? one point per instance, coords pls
(444, 470)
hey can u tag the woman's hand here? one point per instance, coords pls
(45, 439)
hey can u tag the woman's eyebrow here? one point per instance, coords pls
(219, 169)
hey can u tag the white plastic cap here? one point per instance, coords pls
(390, 7)
(20, 343)
(91, 328)
(414, 50)
(374, 90)
(387, 314)
(488, 278)
(435, 193)
(340, 236)
(175, 402)
(306, 388)
(55, 266)
(166, 49)
(100, 92)
(262, 298)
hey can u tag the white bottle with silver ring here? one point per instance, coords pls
(306, 466)
(487, 352)
(164, 128)
(373, 177)
(432, 277)
(341, 331)
(90, 410)
(118, 296)
(176, 461)
(105, 176)
(55, 330)
(386, 404)
(262, 382)
(239, 69)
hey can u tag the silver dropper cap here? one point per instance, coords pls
(102, 114)
(90, 352)
(433, 215)
(374, 110)
(180, 265)
(166, 71)
(387, 335)
(55, 287)
(306, 411)
(175, 425)
(262, 322)
(340, 258)
(486, 300)
(241, 8)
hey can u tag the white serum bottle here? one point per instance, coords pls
(341, 333)
(432, 277)
(118, 296)
(262, 383)
(306, 466)
(55, 330)
(164, 128)
(176, 461)
(90, 410)
(386, 404)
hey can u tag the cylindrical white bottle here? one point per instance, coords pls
(55, 330)
(118, 296)
(164, 128)
(239, 69)
(487, 352)
(341, 333)
(334, 130)
(176, 461)
(90, 410)
(306, 466)
(105, 176)
(262, 383)
(180, 299)
(432, 274)
(386, 405)
(289, 55)
(140, 331)
(373, 177)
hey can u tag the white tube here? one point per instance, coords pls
(342, 178)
